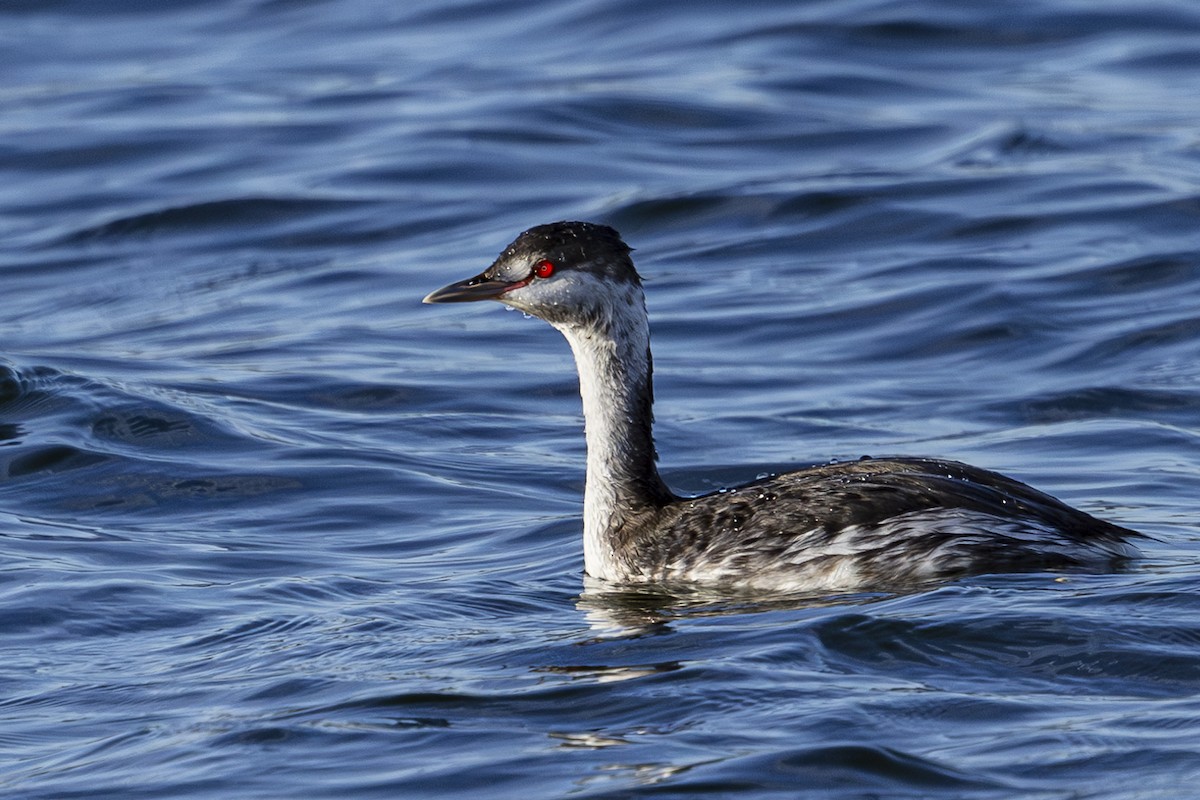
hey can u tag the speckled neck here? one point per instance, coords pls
(612, 354)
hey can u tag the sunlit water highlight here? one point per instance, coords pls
(273, 529)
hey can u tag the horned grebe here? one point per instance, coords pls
(867, 524)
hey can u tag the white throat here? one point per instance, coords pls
(613, 358)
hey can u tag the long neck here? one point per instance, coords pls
(623, 484)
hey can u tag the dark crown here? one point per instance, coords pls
(584, 246)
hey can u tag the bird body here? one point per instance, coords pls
(872, 523)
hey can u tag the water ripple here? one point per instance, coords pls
(264, 515)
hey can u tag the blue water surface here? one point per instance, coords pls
(270, 528)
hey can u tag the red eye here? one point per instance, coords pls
(544, 269)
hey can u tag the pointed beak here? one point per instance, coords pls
(481, 287)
